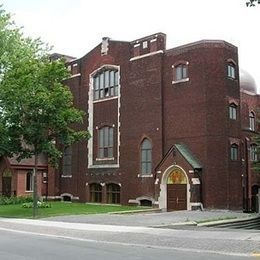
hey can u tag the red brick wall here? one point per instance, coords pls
(193, 112)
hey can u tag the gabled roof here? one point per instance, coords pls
(186, 153)
(28, 162)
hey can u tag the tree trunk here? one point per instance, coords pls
(35, 186)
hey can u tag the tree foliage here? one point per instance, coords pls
(252, 3)
(36, 109)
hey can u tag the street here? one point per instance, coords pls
(39, 239)
(28, 246)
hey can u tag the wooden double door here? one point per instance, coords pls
(176, 197)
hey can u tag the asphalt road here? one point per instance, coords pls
(25, 246)
(37, 239)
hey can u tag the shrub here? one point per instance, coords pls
(15, 200)
(40, 204)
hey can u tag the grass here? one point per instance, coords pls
(63, 208)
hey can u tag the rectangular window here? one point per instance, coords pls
(252, 121)
(233, 112)
(253, 153)
(146, 157)
(67, 161)
(96, 88)
(231, 72)
(180, 72)
(145, 44)
(106, 139)
(234, 153)
(96, 193)
(105, 84)
(112, 78)
(29, 181)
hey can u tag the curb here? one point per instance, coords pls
(135, 211)
(226, 221)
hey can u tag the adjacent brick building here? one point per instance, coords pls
(169, 128)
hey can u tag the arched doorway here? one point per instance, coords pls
(176, 190)
(174, 176)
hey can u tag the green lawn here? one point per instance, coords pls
(63, 208)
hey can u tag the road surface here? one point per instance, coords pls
(35, 239)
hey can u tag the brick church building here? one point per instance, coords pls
(171, 128)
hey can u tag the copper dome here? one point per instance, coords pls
(247, 82)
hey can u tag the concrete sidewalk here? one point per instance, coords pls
(151, 219)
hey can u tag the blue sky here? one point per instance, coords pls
(74, 27)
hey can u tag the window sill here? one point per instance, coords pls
(234, 79)
(103, 166)
(105, 99)
(28, 191)
(105, 159)
(180, 81)
(66, 176)
(144, 175)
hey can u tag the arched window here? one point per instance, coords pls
(96, 192)
(252, 121)
(105, 142)
(233, 111)
(106, 84)
(113, 193)
(253, 152)
(231, 70)
(146, 157)
(234, 152)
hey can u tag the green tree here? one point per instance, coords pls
(36, 109)
(252, 3)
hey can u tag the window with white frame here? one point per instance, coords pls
(105, 84)
(29, 181)
(252, 121)
(105, 142)
(232, 111)
(146, 157)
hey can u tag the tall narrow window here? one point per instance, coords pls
(105, 84)
(231, 70)
(146, 157)
(66, 161)
(252, 121)
(253, 152)
(29, 181)
(233, 111)
(234, 152)
(105, 143)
